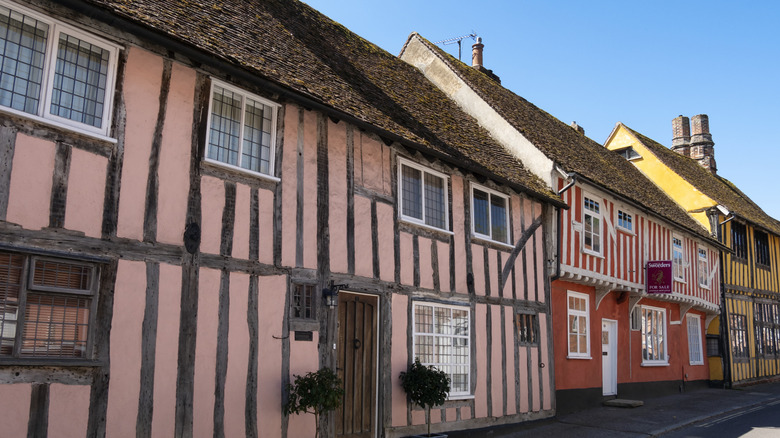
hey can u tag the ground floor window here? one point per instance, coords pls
(767, 328)
(578, 323)
(654, 336)
(694, 340)
(46, 306)
(442, 338)
(738, 332)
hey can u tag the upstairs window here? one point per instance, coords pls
(703, 268)
(591, 218)
(55, 72)
(241, 130)
(527, 329)
(762, 248)
(490, 214)
(625, 221)
(739, 240)
(678, 259)
(423, 195)
(48, 312)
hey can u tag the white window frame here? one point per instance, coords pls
(468, 338)
(580, 315)
(695, 353)
(652, 338)
(424, 170)
(703, 267)
(244, 96)
(491, 193)
(43, 111)
(631, 217)
(586, 212)
(681, 264)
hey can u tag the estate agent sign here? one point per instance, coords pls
(659, 277)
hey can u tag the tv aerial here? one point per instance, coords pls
(457, 40)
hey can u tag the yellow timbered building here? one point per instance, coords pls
(744, 346)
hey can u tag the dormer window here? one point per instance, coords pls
(628, 153)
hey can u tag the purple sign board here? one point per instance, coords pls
(659, 277)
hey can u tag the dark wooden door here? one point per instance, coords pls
(357, 365)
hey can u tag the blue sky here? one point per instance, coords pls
(597, 63)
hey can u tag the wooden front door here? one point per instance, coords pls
(357, 365)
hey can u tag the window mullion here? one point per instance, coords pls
(241, 124)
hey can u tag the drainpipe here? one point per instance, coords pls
(725, 342)
(559, 242)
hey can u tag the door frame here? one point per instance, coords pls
(612, 329)
(345, 292)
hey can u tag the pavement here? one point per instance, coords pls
(657, 415)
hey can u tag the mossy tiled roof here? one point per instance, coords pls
(291, 44)
(571, 150)
(716, 187)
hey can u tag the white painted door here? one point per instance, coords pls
(609, 356)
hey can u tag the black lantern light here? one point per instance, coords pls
(331, 294)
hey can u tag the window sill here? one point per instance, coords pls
(59, 125)
(625, 231)
(679, 280)
(425, 226)
(579, 357)
(461, 397)
(655, 364)
(496, 243)
(38, 361)
(696, 364)
(241, 170)
(594, 254)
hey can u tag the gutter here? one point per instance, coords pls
(197, 55)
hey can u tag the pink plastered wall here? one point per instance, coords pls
(15, 408)
(241, 223)
(496, 362)
(337, 195)
(289, 185)
(206, 353)
(266, 225)
(522, 360)
(372, 164)
(386, 238)
(494, 271)
(303, 359)
(407, 259)
(426, 267)
(212, 206)
(29, 198)
(86, 190)
(399, 359)
(364, 257)
(539, 255)
(175, 152)
(269, 409)
(546, 379)
(459, 230)
(68, 410)
(309, 190)
(141, 92)
(166, 351)
(478, 268)
(444, 265)
(238, 356)
(509, 315)
(129, 302)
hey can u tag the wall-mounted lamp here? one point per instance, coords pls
(331, 294)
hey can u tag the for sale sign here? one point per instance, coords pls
(659, 277)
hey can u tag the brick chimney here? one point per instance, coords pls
(681, 135)
(476, 54)
(702, 147)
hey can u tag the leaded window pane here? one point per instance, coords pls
(22, 54)
(434, 201)
(481, 213)
(498, 218)
(411, 187)
(225, 126)
(80, 78)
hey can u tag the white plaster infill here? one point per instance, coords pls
(440, 74)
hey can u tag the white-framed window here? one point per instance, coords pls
(625, 221)
(591, 219)
(702, 268)
(678, 258)
(423, 195)
(241, 130)
(490, 214)
(54, 72)
(695, 354)
(654, 336)
(578, 325)
(442, 338)
(47, 307)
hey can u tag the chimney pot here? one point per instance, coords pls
(681, 135)
(578, 128)
(476, 53)
(702, 148)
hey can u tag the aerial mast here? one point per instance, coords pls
(472, 35)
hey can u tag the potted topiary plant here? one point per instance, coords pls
(426, 387)
(315, 393)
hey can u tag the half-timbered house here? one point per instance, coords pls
(747, 340)
(199, 200)
(613, 335)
